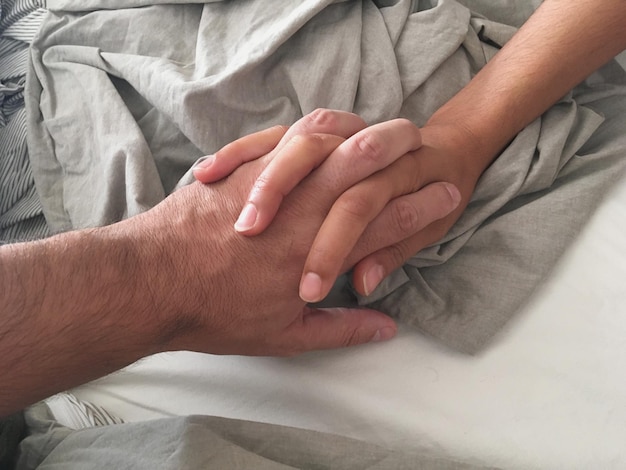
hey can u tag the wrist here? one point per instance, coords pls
(471, 155)
(105, 264)
(150, 282)
(178, 292)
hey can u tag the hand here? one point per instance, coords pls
(377, 204)
(230, 294)
(442, 157)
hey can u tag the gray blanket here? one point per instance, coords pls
(125, 95)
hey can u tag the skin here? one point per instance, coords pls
(559, 46)
(83, 304)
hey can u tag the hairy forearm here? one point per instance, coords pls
(71, 312)
(558, 47)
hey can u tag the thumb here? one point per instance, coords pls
(340, 327)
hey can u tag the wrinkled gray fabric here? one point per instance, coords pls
(203, 442)
(122, 101)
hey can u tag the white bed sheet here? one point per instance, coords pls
(550, 392)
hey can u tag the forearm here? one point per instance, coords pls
(558, 47)
(71, 312)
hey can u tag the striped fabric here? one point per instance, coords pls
(21, 216)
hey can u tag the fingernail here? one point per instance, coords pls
(384, 334)
(204, 163)
(247, 218)
(372, 278)
(311, 288)
(454, 194)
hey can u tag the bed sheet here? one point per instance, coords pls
(548, 393)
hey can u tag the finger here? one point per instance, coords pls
(433, 203)
(301, 155)
(346, 221)
(373, 226)
(270, 141)
(338, 328)
(360, 156)
(365, 153)
(325, 121)
(233, 155)
(272, 186)
(370, 271)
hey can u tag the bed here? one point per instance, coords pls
(543, 388)
(549, 392)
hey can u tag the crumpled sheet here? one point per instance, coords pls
(123, 97)
(194, 442)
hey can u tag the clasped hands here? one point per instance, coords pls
(407, 195)
(328, 194)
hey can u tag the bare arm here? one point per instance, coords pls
(562, 43)
(64, 300)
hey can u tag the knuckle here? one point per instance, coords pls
(406, 217)
(322, 118)
(352, 338)
(396, 255)
(308, 142)
(264, 184)
(369, 146)
(356, 205)
(405, 122)
(280, 129)
(322, 260)
(413, 130)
